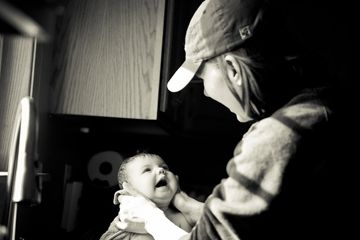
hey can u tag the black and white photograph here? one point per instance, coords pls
(178, 119)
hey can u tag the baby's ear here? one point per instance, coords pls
(125, 186)
(128, 188)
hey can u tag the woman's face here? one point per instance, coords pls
(216, 88)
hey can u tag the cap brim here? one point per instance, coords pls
(183, 76)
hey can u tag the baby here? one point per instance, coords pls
(148, 175)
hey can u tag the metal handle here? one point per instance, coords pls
(23, 184)
(22, 179)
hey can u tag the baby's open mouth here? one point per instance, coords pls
(161, 183)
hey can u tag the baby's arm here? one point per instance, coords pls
(114, 233)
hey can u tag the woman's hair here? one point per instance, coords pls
(122, 173)
(269, 77)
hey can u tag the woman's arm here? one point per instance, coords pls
(189, 207)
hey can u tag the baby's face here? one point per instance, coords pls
(152, 177)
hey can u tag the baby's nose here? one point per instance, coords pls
(161, 171)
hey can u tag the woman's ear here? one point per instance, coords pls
(233, 70)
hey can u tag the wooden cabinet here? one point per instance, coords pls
(15, 69)
(108, 58)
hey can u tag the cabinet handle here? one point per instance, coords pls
(23, 182)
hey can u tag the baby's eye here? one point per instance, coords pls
(165, 167)
(146, 170)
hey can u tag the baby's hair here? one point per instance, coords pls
(122, 174)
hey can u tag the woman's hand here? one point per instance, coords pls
(188, 206)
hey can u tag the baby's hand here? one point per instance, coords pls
(136, 210)
(134, 225)
(127, 190)
(117, 195)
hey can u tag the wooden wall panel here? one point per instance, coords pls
(108, 57)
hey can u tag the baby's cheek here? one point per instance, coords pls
(145, 189)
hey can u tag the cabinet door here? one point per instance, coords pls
(15, 70)
(108, 58)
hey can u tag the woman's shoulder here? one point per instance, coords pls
(306, 110)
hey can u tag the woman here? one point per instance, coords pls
(279, 184)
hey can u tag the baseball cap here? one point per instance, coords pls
(217, 26)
